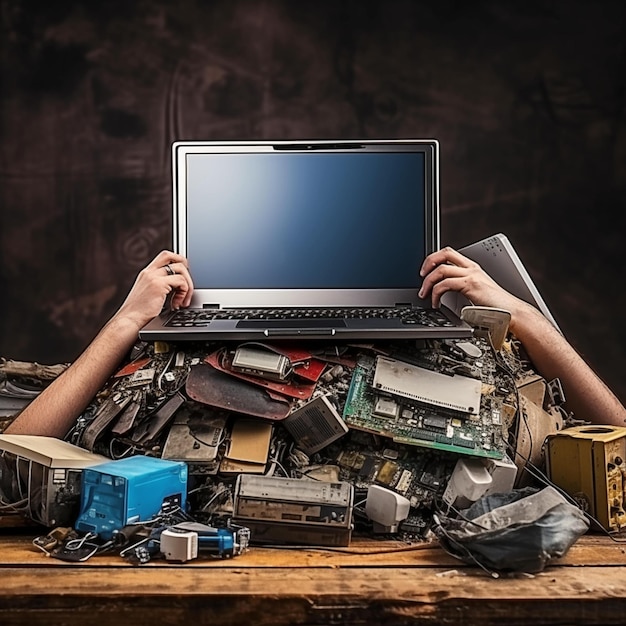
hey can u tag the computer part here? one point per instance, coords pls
(315, 425)
(469, 481)
(248, 447)
(182, 541)
(417, 473)
(311, 239)
(260, 362)
(386, 509)
(398, 378)
(195, 436)
(179, 545)
(503, 474)
(443, 398)
(44, 473)
(294, 511)
(588, 463)
(14, 397)
(130, 490)
(493, 322)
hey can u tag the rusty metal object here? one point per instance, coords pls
(207, 385)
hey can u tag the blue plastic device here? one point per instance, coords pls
(129, 490)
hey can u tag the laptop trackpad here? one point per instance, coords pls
(295, 323)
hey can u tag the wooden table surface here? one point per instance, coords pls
(371, 582)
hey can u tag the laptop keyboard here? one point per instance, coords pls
(409, 316)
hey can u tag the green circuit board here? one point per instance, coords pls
(405, 420)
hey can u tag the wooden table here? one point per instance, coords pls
(371, 582)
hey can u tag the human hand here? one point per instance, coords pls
(168, 273)
(448, 270)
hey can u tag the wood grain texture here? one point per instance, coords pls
(362, 552)
(268, 586)
(526, 99)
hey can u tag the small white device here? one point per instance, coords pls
(386, 509)
(179, 545)
(475, 478)
(468, 482)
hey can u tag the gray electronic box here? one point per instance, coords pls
(45, 474)
(294, 511)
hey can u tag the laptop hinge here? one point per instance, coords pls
(211, 306)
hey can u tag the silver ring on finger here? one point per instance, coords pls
(169, 270)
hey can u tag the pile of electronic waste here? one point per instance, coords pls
(218, 446)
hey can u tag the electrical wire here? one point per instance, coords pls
(468, 554)
(404, 548)
(214, 497)
(21, 506)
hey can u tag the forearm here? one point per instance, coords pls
(55, 410)
(586, 395)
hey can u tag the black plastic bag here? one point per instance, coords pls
(518, 531)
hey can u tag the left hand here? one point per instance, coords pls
(168, 272)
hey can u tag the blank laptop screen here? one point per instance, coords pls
(305, 221)
(284, 220)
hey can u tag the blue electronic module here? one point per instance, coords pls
(130, 490)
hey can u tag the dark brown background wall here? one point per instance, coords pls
(526, 98)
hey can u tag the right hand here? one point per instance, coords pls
(449, 270)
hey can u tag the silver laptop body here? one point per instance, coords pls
(336, 228)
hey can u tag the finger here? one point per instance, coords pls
(178, 258)
(439, 274)
(446, 255)
(161, 259)
(182, 270)
(174, 268)
(170, 264)
(451, 282)
(182, 292)
(167, 256)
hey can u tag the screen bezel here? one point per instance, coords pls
(307, 297)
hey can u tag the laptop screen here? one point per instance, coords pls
(309, 216)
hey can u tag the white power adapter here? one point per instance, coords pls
(386, 509)
(470, 479)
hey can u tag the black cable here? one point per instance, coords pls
(461, 548)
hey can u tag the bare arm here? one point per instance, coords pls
(586, 394)
(54, 411)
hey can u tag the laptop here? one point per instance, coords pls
(307, 239)
(497, 256)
